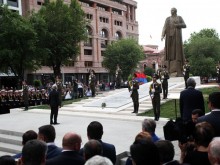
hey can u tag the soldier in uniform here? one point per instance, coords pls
(133, 89)
(164, 79)
(186, 70)
(159, 71)
(92, 82)
(4, 102)
(155, 90)
(218, 72)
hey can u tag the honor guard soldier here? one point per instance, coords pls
(133, 89)
(4, 102)
(218, 72)
(164, 79)
(155, 90)
(159, 71)
(186, 70)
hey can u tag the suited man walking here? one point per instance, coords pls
(214, 117)
(71, 145)
(55, 104)
(190, 99)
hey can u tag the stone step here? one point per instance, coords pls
(13, 133)
(2, 153)
(10, 148)
(16, 140)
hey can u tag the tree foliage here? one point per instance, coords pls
(125, 53)
(63, 28)
(17, 43)
(203, 51)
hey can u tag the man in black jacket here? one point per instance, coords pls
(70, 154)
(54, 103)
(190, 99)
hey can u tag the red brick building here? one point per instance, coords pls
(109, 21)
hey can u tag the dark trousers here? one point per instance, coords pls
(185, 79)
(53, 114)
(156, 106)
(165, 89)
(135, 99)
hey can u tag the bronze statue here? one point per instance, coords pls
(174, 57)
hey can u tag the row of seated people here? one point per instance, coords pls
(147, 149)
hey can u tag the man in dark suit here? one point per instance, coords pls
(190, 99)
(55, 104)
(95, 131)
(214, 117)
(70, 155)
(33, 152)
(47, 134)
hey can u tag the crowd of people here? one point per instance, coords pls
(202, 146)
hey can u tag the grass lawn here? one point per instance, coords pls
(167, 109)
(64, 102)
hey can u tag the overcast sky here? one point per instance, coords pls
(197, 14)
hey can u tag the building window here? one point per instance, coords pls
(102, 53)
(88, 31)
(103, 19)
(118, 23)
(87, 52)
(104, 33)
(89, 16)
(88, 42)
(88, 64)
(118, 35)
(13, 3)
(104, 43)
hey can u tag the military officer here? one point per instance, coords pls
(164, 79)
(155, 90)
(159, 71)
(186, 70)
(133, 89)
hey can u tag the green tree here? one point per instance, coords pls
(125, 53)
(17, 43)
(63, 28)
(203, 51)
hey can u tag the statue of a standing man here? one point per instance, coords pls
(174, 57)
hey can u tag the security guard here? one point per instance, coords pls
(164, 79)
(155, 90)
(133, 89)
(186, 70)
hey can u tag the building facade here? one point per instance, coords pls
(110, 20)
